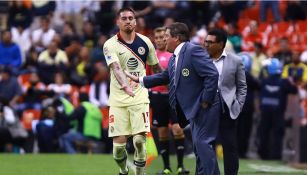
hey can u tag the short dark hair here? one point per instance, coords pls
(220, 35)
(125, 9)
(181, 30)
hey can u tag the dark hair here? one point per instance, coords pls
(181, 30)
(125, 9)
(220, 35)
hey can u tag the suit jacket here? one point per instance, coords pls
(233, 86)
(196, 80)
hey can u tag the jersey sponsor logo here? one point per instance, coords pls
(132, 63)
(137, 74)
(141, 50)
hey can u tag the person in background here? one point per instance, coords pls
(88, 117)
(273, 99)
(232, 90)
(245, 119)
(10, 53)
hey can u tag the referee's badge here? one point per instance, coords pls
(185, 72)
(141, 50)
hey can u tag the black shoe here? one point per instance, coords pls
(182, 171)
(124, 174)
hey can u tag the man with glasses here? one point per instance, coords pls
(232, 90)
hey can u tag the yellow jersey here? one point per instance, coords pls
(132, 58)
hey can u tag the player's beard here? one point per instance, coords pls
(129, 30)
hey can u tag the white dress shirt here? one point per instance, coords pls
(219, 65)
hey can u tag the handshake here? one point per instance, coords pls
(133, 84)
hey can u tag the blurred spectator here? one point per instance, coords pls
(34, 91)
(230, 10)
(73, 49)
(295, 11)
(234, 36)
(161, 10)
(46, 132)
(88, 38)
(200, 36)
(141, 27)
(89, 125)
(43, 8)
(22, 37)
(284, 53)
(273, 100)
(31, 61)
(200, 12)
(43, 36)
(11, 130)
(10, 53)
(60, 85)
(303, 57)
(98, 93)
(245, 119)
(78, 75)
(295, 69)
(258, 57)
(19, 15)
(10, 89)
(251, 35)
(76, 12)
(51, 60)
(67, 35)
(4, 8)
(107, 15)
(97, 52)
(265, 6)
(142, 8)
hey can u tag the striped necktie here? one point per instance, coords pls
(172, 97)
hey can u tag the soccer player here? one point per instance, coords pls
(129, 103)
(162, 112)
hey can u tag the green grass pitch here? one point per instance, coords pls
(99, 164)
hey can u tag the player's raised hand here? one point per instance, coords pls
(132, 77)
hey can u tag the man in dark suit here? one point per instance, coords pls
(192, 80)
(232, 90)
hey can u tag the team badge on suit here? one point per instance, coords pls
(185, 72)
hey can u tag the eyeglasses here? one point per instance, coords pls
(210, 42)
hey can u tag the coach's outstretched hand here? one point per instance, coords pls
(132, 77)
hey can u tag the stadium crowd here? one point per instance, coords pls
(51, 54)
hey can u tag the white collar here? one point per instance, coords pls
(178, 49)
(224, 55)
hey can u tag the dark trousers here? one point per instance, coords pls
(204, 129)
(271, 131)
(228, 138)
(245, 124)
